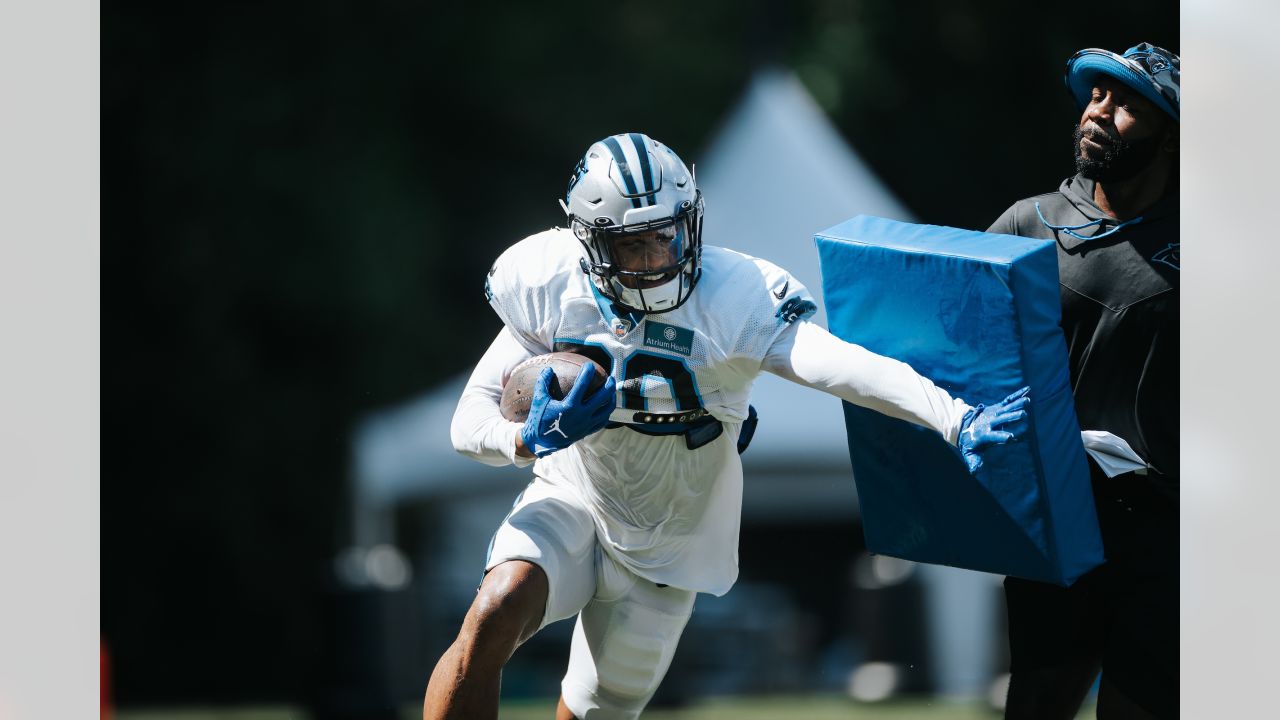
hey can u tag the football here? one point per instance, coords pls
(517, 394)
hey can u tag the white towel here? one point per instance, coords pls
(1112, 453)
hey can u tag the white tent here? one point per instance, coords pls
(776, 173)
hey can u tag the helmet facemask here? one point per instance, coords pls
(651, 266)
(638, 214)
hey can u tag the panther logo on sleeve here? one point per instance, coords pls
(796, 308)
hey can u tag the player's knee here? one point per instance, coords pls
(510, 603)
(632, 644)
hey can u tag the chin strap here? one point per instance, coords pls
(1071, 229)
(677, 286)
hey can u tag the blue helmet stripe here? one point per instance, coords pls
(621, 158)
(646, 171)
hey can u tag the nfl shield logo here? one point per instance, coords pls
(621, 327)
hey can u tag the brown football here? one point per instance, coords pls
(517, 394)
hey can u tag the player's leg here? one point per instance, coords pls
(508, 610)
(541, 568)
(623, 644)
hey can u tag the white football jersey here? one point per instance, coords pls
(704, 354)
(669, 513)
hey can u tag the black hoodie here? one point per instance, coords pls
(1119, 313)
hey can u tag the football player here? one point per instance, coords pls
(635, 502)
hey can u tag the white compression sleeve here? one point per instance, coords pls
(807, 354)
(478, 430)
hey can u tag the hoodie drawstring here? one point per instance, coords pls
(1071, 229)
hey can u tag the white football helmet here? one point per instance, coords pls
(637, 210)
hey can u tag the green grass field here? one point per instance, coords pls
(804, 707)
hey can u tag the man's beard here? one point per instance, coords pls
(1120, 160)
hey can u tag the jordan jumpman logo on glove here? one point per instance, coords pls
(555, 427)
(556, 424)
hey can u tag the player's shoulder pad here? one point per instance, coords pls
(525, 284)
(535, 264)
(742, 279)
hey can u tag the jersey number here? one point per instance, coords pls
(638, 364)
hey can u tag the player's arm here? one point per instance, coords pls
(807, 354)
(478, 430)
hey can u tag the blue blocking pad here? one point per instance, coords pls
(977, 313)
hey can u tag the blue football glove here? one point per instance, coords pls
(556, 424)
(984, 426)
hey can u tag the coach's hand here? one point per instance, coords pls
(556, 424)
(998, 424)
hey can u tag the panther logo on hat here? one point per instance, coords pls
(1151, 70)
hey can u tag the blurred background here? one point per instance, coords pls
(302, 201)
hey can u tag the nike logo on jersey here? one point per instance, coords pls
(783, 292)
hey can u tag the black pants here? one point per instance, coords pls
(1123, 614)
